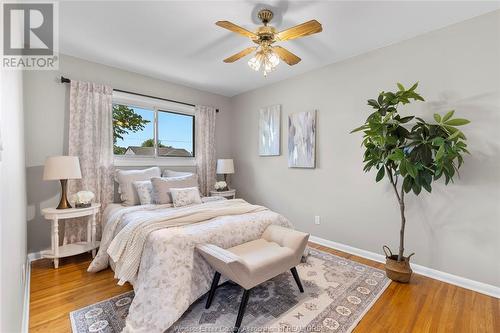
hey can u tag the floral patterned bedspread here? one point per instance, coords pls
(172, 275)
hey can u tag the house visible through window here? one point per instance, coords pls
(153, 132)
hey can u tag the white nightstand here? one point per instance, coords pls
(229, 194)
(67, 250)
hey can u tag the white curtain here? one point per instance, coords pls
(205, 147)
(91, 139)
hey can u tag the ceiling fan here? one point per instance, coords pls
(267, 56)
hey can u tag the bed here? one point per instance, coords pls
(152, 247)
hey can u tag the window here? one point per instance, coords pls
(153, 129)
(175, 134)
(133, 130)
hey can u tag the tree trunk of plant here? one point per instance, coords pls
(401, 201)
(403, 223)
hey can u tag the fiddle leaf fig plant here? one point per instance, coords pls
(409, 151)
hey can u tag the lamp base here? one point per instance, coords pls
(64, 203)
(227, 184)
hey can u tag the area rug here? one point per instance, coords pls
(338, 292)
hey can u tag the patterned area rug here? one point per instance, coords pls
(338, 292)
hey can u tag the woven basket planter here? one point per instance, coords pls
(399, 271)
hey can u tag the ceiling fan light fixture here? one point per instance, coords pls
(268, 55)
(254, 63)
(264, 59)
(274, 60)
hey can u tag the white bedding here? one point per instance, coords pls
(171, 274)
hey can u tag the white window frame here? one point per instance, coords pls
(156, 105)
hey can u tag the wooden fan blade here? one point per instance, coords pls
(241, 54)
(236, 28)
(286, 55)
(301, 30)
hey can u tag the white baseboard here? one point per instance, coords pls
(27, 280)
(34, 256)
(480, 287)
(26, 298)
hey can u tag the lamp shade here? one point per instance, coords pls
(62, 167)
(225, 166)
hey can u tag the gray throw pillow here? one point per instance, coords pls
(162, 186)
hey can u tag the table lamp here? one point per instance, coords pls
(62, 168)
(225, 167)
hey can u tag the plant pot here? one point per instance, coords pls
(399, 271)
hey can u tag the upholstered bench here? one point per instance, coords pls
(249, 264)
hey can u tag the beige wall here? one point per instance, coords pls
(12, 202)
(456, 229)
(46, 107)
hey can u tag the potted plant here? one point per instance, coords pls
(412, 154)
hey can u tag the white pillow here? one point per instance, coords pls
(125, 179)
(144, 190)
(172, 173)
(185, 196)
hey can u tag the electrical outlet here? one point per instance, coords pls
(317, 219)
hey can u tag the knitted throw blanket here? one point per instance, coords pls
(127, 246)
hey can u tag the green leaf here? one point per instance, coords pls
(457, 122)
(418, 97)
(416, 188)
(380, 98)
(380, 174)
(440, 152)
(397, 155)
(448, 115)
(373, 103)
(400, 86)
(437, 141)
(402, 168)
(360, 128)
(412, 170)
(454, 135)
(427, 187)
(413, 87)
(405, 119)
(407, 184)
(437, 117)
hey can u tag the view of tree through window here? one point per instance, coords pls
(133, 132)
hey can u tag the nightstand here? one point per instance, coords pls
(229, 194)
(56, 215)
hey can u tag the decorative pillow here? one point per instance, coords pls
(171, 173)
(185, 196)
(125, 179)
(144, 190)
(162, 186)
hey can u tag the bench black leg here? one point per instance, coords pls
(211, 294)
(241, 311)
(297, 279)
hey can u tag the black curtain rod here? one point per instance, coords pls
(66, 80)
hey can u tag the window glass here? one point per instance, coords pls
(133, 130)
(175, 134)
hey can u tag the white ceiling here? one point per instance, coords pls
(177, 41)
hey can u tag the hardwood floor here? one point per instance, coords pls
(424, 305)
(54, 293)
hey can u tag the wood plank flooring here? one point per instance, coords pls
(424, 305)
